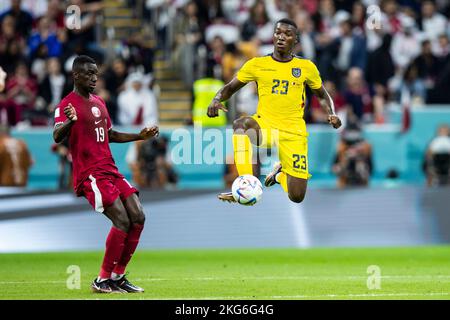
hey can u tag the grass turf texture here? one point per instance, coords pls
(407, 273)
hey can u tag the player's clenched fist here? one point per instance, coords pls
(70, 112)
(214, 107)
(149, 132)
(334, 121)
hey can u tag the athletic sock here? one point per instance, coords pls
(281, 178)
(115, 276)
(130, 247)
(115, 243)
(243, 152)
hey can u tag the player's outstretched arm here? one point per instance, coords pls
(121, 137)
(62, 130)
(223, 95)
(327, 104)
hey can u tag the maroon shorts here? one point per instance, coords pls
(101, 190)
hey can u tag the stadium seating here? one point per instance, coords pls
(392, 149)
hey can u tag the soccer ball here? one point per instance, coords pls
(247, 190)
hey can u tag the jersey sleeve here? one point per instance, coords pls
(313, 79)
(247, 72)
(60, 116)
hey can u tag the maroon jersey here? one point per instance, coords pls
(88, 138)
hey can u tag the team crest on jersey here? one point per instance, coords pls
(296, 72)
(96, 112)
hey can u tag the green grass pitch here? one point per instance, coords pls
(406, 273)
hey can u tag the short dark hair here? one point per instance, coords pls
(287, 21)
(80, 61)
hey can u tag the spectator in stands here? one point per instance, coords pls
(12, 45)
(441, 93)
(405, 45)
(38, 66)
(158, 12)
(393, 18)
(15, 160)
(115, 77)
(65, 164)
(380, 69)
(324, 21)
(412, 90)
(149, 164)
(216, 50)
(437, 158)
(37, 8)
(55, 13)
(44, 36)
(110, 100)
(85, 36)
(357, 95)
(441, 48)
(257, 20)
(352, 48)
(218, 24)
(427, 65)
(21, 91)
(433, 23)
(326, 33)
(137, 105)
(22, 18)
(188, 37)
(232, 60)
(380, 66)
(353, 162)
(54, 86)
(140, 54)
(306, 46)
(155, 164)
(358, 16)
(209, 11)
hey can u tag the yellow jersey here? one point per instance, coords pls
(281, 89)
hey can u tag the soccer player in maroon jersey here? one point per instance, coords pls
(82, 117)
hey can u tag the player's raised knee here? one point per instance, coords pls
(140, 218)
(296, 197)
(239, 124)
(122, 222)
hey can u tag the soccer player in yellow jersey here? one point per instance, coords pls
(281, 79)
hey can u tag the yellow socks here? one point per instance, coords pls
(243, 152)
(281, 178)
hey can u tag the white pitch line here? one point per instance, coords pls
(281, 297)
(350, 295)
(293, 278)
(319, 278)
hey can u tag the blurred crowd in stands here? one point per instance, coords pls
(369, 52)
(39, 40)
